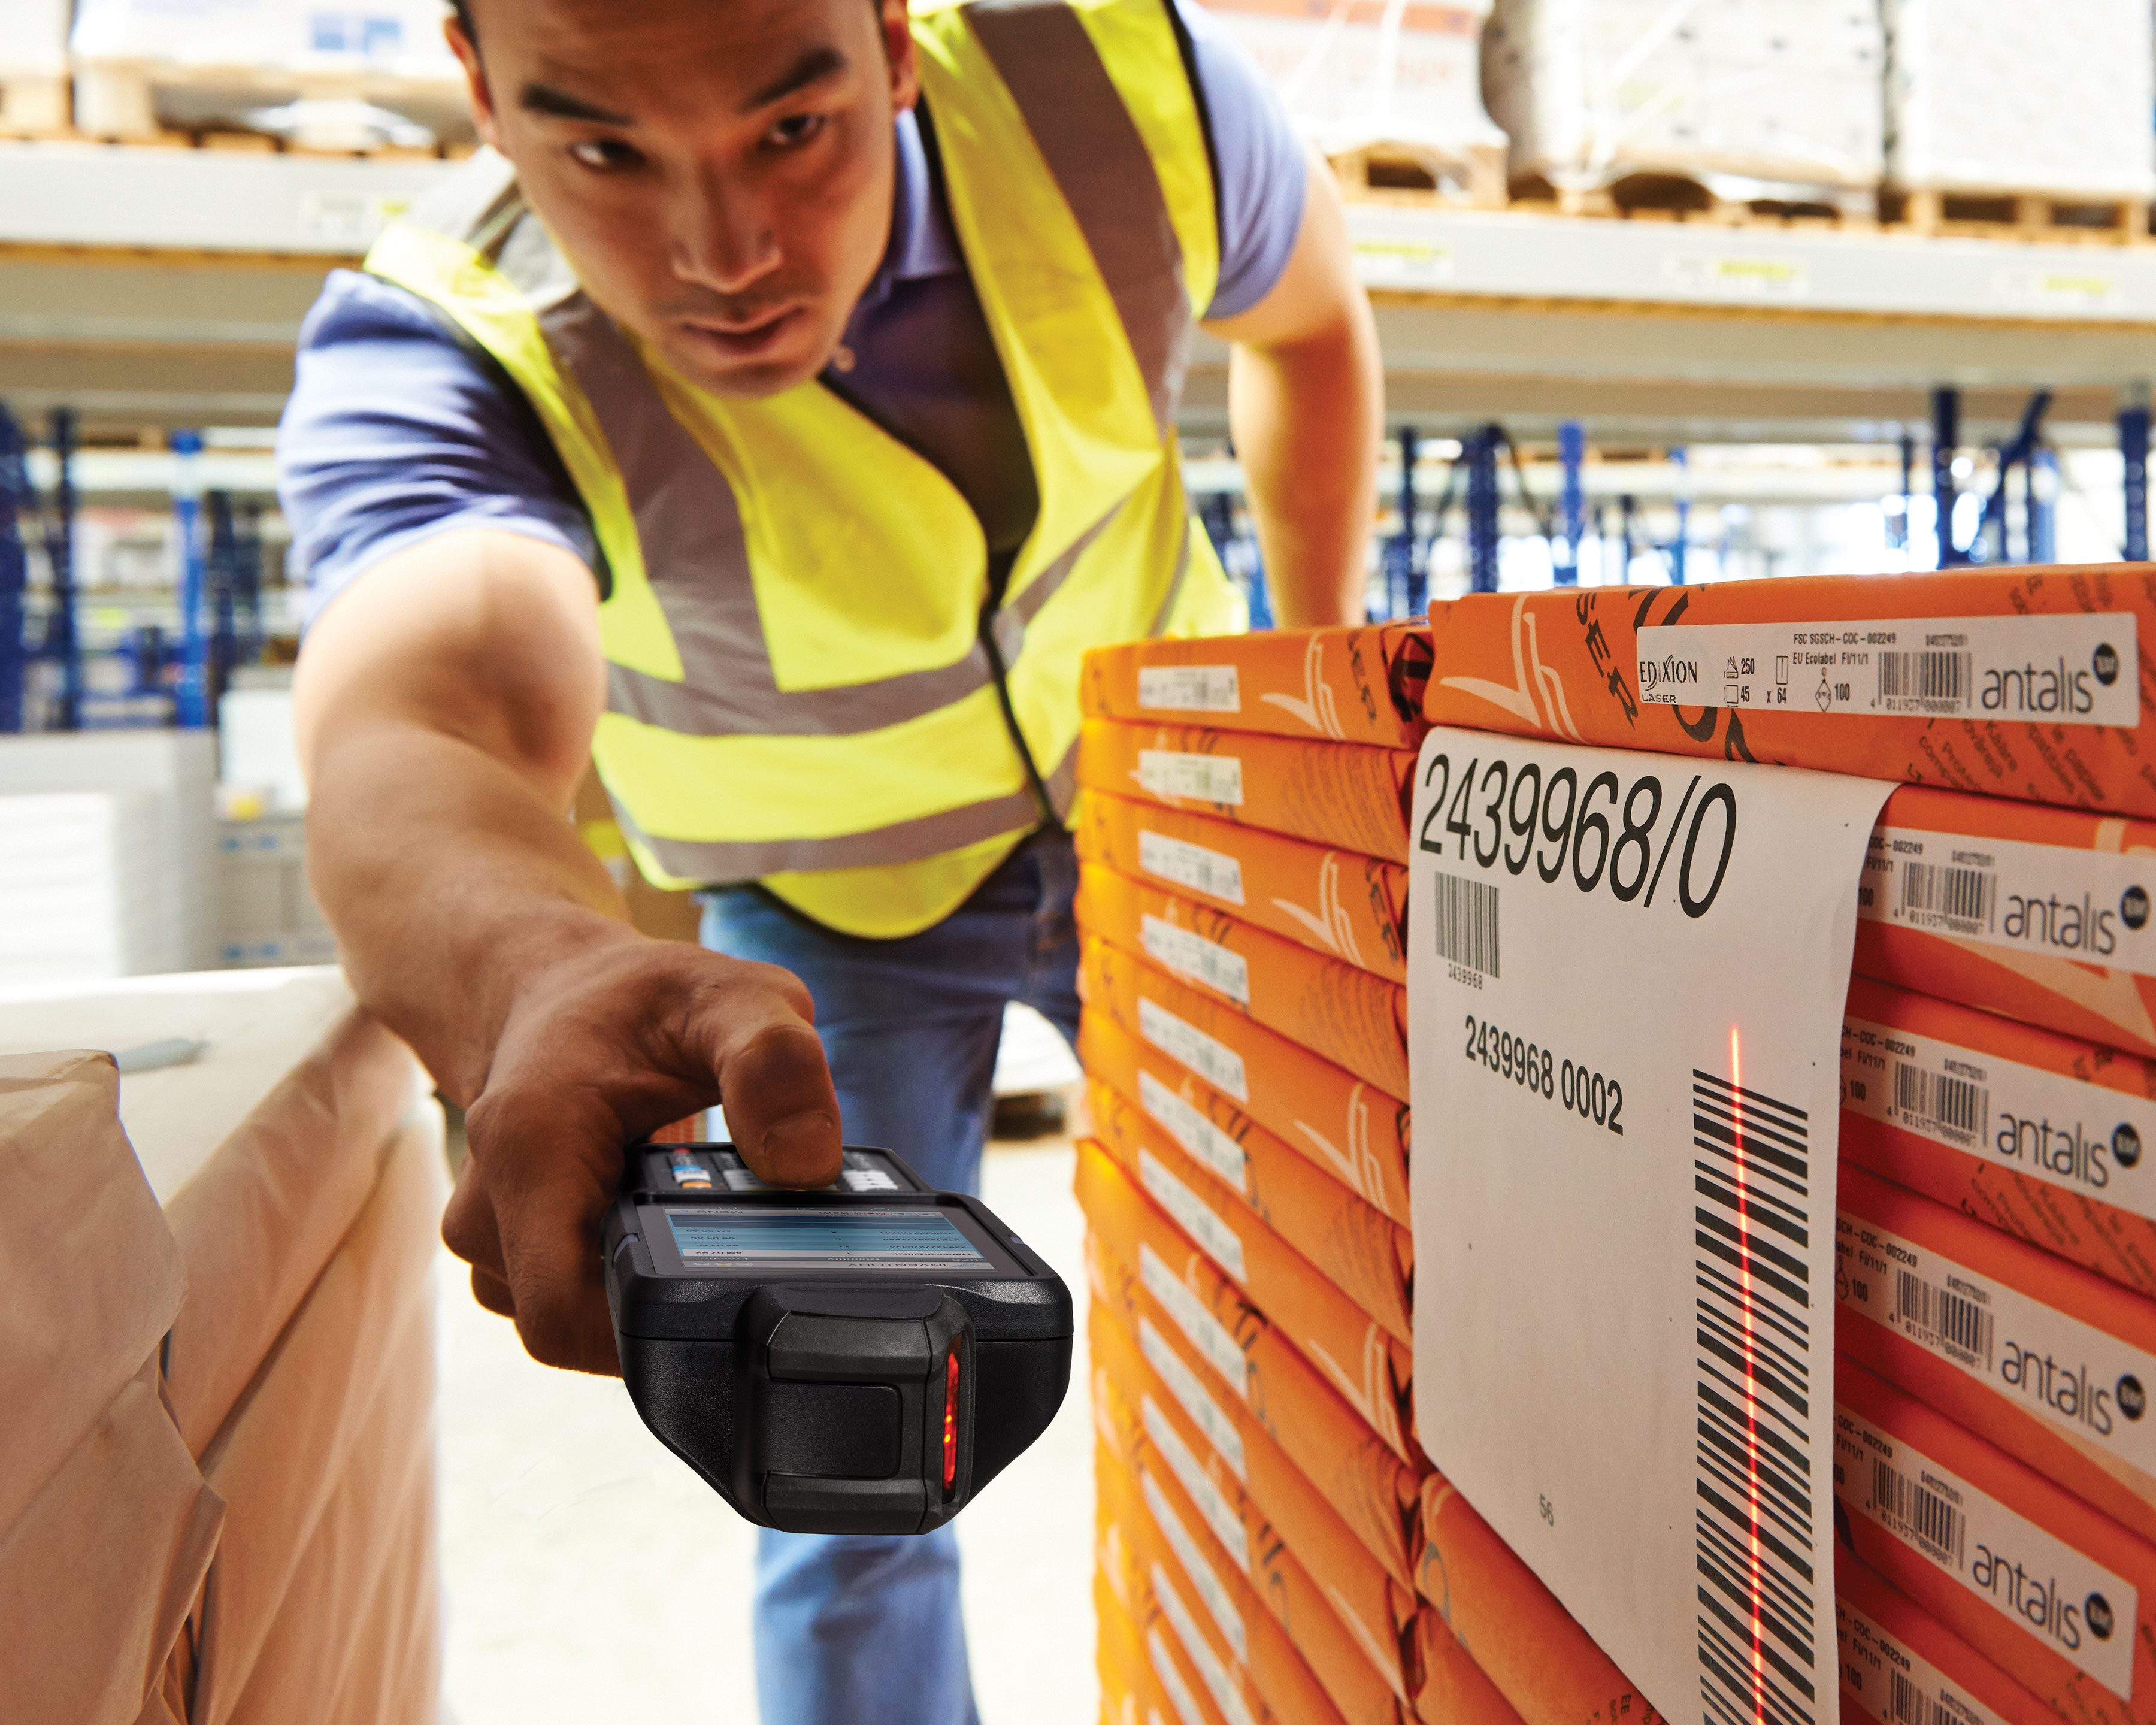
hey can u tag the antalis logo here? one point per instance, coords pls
(2039, 1602)
(2076, 925)
(2071, 1392)
(2052, 690)
(2066, 1152)
(1670, 669)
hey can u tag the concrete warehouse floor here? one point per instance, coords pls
(591, 1576)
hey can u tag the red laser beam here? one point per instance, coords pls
(1751, 1386)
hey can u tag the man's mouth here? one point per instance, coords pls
(742, 339)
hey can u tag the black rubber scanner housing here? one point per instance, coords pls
(820, 1406)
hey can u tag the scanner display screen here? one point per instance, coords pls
(852, 1239)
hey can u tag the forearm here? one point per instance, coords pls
(451, 879)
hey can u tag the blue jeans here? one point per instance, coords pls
(850, 1628)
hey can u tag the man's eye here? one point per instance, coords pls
(794, 130)
(604, 155)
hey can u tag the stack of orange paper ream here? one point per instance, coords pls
(1263, 1500)
(1996, 1268)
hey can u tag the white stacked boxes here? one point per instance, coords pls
(1991, 96)
(33, 82)
(1776, 91)
(77, 887)
(267, 915)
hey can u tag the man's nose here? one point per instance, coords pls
(720, 235)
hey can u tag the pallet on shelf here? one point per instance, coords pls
(34, 105)
(2064, 217)
(119, 99)
(1472, 177)
(1677, 197)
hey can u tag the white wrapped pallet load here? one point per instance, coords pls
(1995, 96)
(34, 65)
(1359, 76)
(206, 61)
(79, 887)
(1755, 100)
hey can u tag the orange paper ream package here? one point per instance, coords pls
(1353, 1018)
(1139, 1656)
(1348, 906)
(2040, 1135)
(1368, 1257)
(2025, 683)
(1209, 1603)
(2058, 1595)
(2047, 1360)
(2037, 914)
(1901, 1664)
(1541, 1659)
(1343, 794)
(1261, 1384)
(1338, 1121)
(1359, 683)
(1352, 1622)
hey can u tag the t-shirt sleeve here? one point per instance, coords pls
(1259, 161)
(394, 434)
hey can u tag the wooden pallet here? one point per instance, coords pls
(1470, 178)
(34, 105)
(2019, 215)
(1679, 197)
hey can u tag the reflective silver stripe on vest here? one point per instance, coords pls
(1093, 148)
(720, 863)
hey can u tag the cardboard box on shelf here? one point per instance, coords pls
(1368, 1257)
(1348, 1125)
(1899, 1662)
(1261, 1384)
(1213, 1607)
(1326, 1588)
(1353, 1018)
(2063, 1598)
(1351, 794)
(2027, 683)
(1297, 1294)
(2047, 1360)
(2038, 914)
(2038, 1135)
(1357, 684)
(1351, 906)
(1543, 1663)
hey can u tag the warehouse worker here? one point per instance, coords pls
(774, 415)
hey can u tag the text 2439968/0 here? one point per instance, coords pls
(1605, 831)
(1537, 1070)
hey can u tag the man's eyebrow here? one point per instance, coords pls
(817, 63)
(560, 104)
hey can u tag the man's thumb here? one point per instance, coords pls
(782, 1109)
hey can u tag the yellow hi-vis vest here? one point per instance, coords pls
(805, 684)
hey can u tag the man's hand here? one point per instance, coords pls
(445, 706)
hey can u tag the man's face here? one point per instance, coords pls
(718, 172)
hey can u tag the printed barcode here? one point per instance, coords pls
(1467, 923)
(1954, 1106)
(1908, 1705)
(1944, 1316)
(1939, 890)
(1918, 1512)
(1755, 1515)
(1937, 678)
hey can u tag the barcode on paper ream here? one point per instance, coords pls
(1908, 1705)
(1189, 689)
(1187, 952)
(1939, 894)
(1466, 923)
(1935, 681)
(1198, 778)
(1182, 1121)
(1212, 1059)
(1754, 1518)
(1923, 1516)
(1956, 1108)
(1192, 865)
(1947, 1320)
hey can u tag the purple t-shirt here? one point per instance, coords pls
(393, 433)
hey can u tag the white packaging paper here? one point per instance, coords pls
(1626, 983)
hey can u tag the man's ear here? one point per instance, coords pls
(482, 97)
(898, 54)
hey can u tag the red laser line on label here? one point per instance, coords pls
(1751, 1386)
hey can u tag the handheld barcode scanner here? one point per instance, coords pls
(858, 1359)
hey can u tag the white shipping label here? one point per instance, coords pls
(1212, 1059)
(1627, 979)
(2048, 901)
(1893, 1683)
(1211, 872)
(1200, 1328)
(1187, 952)
(1185, 1121)
(1193, 1215)
(1210, 1589)
(1170, 1674)
(1200, 778)
(1211, 1500)
(2069, 1602)
(2055, 669)
(2055, 1367)
(1219, 1683)
(1182, 1382)
(2085, 1138)
(1189, 689)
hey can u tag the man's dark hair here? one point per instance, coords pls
(463, 11)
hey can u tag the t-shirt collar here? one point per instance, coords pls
(921, 242)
